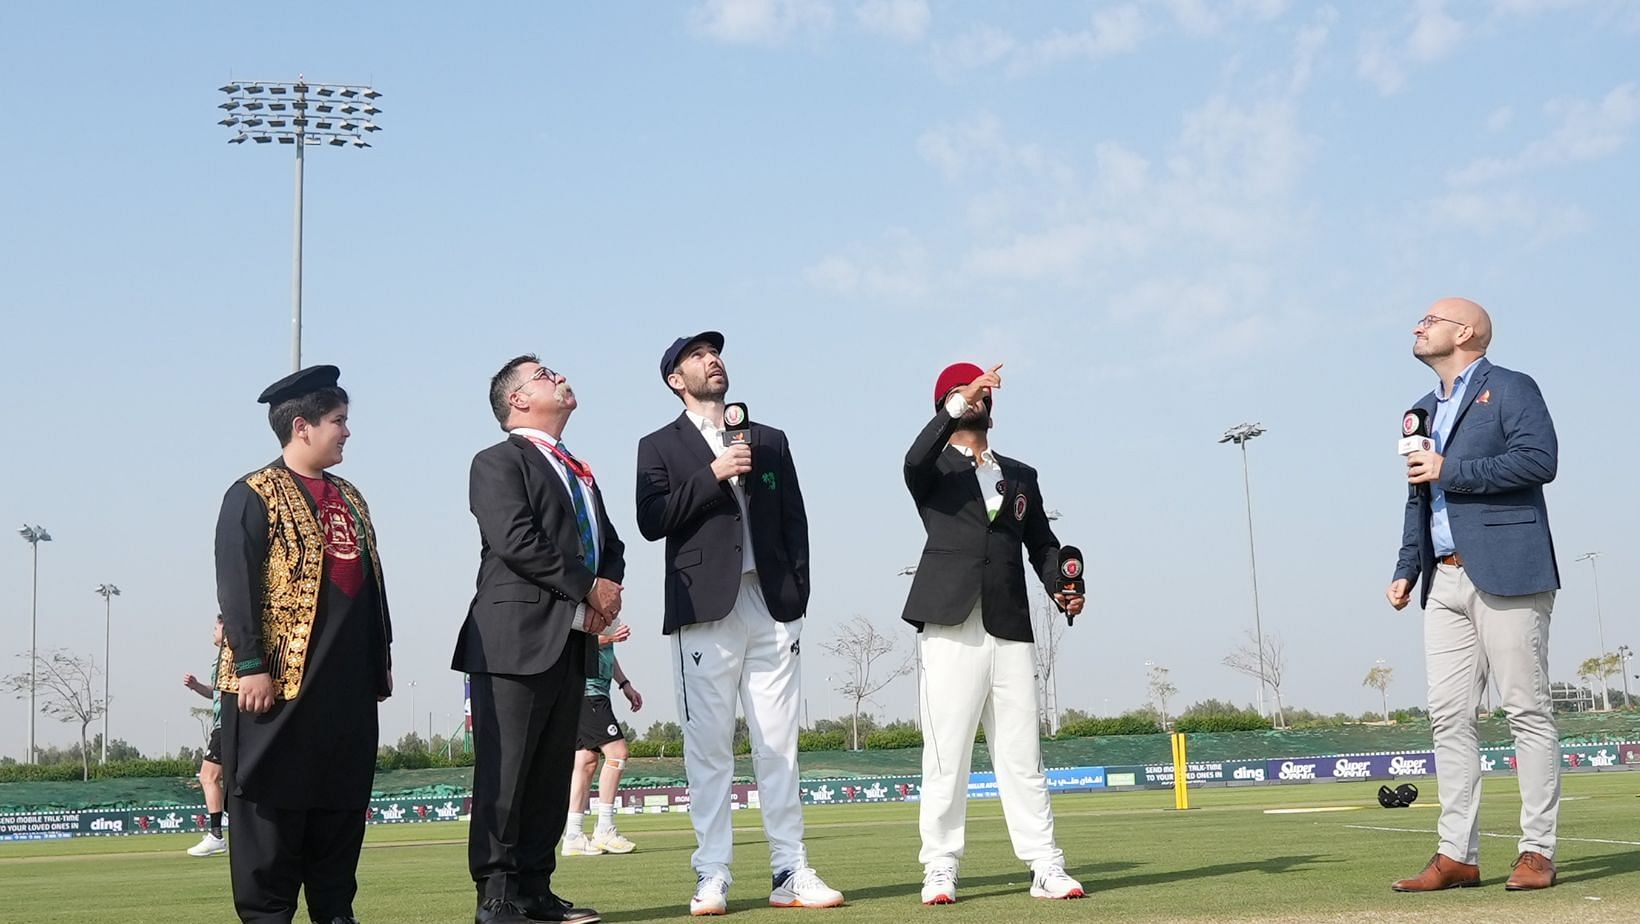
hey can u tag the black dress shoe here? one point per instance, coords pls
(551, 908)
(499, 911)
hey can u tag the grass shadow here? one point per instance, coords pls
(1600, 866)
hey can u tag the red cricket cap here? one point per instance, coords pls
(955, 375)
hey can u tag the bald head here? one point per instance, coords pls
(1464, 311)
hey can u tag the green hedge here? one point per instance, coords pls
(894, 739)
(67, 772)
(822, 741)
(1120, 725)
(1241, 721)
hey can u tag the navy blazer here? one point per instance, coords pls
(532, 574)
(681, 501)
(1499, 455)
(968, 557)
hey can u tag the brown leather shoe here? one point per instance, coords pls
(1533, 870)
(1443, 872)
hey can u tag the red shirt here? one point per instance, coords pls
(345, 568)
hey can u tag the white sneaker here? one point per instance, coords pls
(210, 845)
(579, 845)
(1052, 882)
(803, 888)
(711, 896)
(612, 841)
(940, 886)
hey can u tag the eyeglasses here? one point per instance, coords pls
(541, 372)
(1429, 320)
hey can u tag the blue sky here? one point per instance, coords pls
(1164, 217)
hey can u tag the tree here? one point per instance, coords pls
(64, 688)
(664, 731)
(1161, 689)
(1597, 670)
(1244, 659)
(861, 646)
(206, 717)
(1048, 633)
(1379, 678)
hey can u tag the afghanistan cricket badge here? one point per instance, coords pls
(1019, 507)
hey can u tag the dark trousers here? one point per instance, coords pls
(524, 740)
(277, 852)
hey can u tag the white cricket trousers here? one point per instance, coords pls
(971, 677)
(1469, 633)
(749, 657)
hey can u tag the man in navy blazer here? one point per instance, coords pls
(737, 585)
(1477, 533)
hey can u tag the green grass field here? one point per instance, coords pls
(1225, 860)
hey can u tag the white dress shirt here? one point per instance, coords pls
(986, 468)
(713, 435)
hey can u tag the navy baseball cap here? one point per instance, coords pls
(669, 359)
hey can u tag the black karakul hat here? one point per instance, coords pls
(669, 359)
(297, 384)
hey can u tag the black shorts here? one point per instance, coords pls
(213, 748)
(598, 725)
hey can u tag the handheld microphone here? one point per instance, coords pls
(737, 430)
(1415, 437)
(1071, 580)
(1415, 433)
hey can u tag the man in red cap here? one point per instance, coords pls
(968, 602)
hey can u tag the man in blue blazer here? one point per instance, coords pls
(1477, 533)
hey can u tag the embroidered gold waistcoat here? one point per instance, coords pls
(293, 577)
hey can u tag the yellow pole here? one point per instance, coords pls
(1181, 787)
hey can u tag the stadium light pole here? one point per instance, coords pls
(1240, 434)
(299, 114)
(1599, 628)
(1624, 653)
(108, 592)
(33, 535)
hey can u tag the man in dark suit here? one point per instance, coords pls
(549, 573)
(968, 602)
(737, 584)
(1477, 531)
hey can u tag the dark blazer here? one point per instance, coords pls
(1501, 452)
(531, 573)
(966, 557)
(679, 500)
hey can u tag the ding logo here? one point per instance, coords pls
(734, 415)
(1071, 568)
(1409, 424)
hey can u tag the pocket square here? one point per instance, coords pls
(1485, 397)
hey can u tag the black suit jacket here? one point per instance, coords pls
(967, 557)
(679, 500)
(531, 572)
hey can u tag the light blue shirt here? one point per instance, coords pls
(1446, 411)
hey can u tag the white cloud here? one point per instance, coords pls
(1500, 119)
(761, 22)
(1512, 213)
(979, 47)
(978, 144)
(1433, 36)
(896, 269)
(1206, 17)
(905, 20)
(1586, 131)
(1307, 47)
(1112, 31)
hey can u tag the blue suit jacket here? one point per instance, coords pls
(1499, 455)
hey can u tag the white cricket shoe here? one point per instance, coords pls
(1052, 882)
(803, 888)
(579, 845)
(612, 841)
(940, 886)
(210, 845)
(711, 896)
